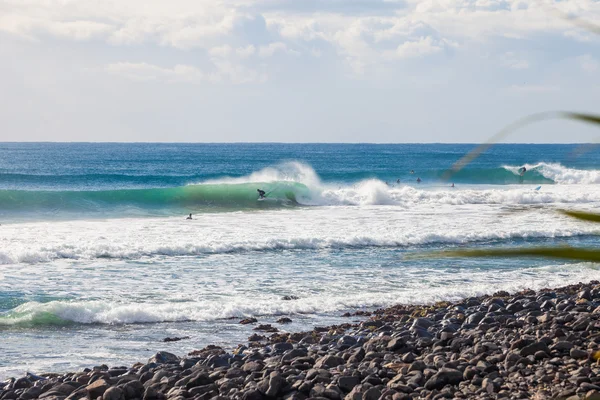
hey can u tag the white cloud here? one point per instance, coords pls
(224, 72)
(511, 61)
(421, 47)
(588, 63)
(276, 47)
(533, 88)
(149, 72)
(221, 51)
(246, 51)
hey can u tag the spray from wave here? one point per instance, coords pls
(293, 183)
(558, 173)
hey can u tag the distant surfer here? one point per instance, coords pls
(452, 184)
(412, 171)
(189, 216)
(398, 181)
(261, 193)
(418, 180)
(522, 171)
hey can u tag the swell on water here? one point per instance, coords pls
(294, 183)
(105, 312)
(240, 195)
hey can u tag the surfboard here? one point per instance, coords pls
(538, 188)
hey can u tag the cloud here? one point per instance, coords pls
(276, 47)
(533, 88)
(246, 51)
(511, 61)
(424, 46)
(224, 72)
(148, 72)
(588, 63)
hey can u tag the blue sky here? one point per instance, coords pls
(294, 71)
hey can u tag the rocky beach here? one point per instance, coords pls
(516, 346)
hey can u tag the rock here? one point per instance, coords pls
(97, 388)
(21, 383)
(355, 394)
(444, 377)
(562, 346)
(346, 341)
(533, 348)
(133, 390)
(276, 382)
(252, 366)
(371, 394)
(592, 395)
(113, 393)
(247, 321)
(163, 357)
(199, 379)
(578, 354)
(252, 395)
(175, 339)
(329, 361)
(347, 383)
(282, 347)
(64, 389)
(284, 320)
(266, 328)
(288, 298)
(395, 344)
(151, 394)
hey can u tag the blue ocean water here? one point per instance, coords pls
(98, 262)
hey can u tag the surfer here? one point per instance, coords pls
(398, 181)
(452, 184)
(261, 193)
(189, 216)
(522, 171)
(412, 171)
(418, 180)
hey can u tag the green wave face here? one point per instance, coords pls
(30, 320)
(220, 195)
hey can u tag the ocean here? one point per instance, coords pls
(98, 263)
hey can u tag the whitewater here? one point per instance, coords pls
(98, 262)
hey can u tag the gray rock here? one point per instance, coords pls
(444, 377)
(162, 357)
(395, 344)
(578, 354)
(329, 361)
(113, 393)
(200, 379)
(97, 388)
(533, 348)
(152, 394)
(347, 383)
(276, 382)
(282, 347)
(371, 394)
(347, 341)
(133, 390)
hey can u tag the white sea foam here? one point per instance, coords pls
(299, 229)
(376, 192)
(444, 286)
(560, 174)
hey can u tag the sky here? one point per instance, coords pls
(384, 71)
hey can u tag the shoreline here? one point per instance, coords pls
(531, 344)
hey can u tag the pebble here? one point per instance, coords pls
(525, 345)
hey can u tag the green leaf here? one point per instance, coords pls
(473, 154)
(566, 253)
(585, 216)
